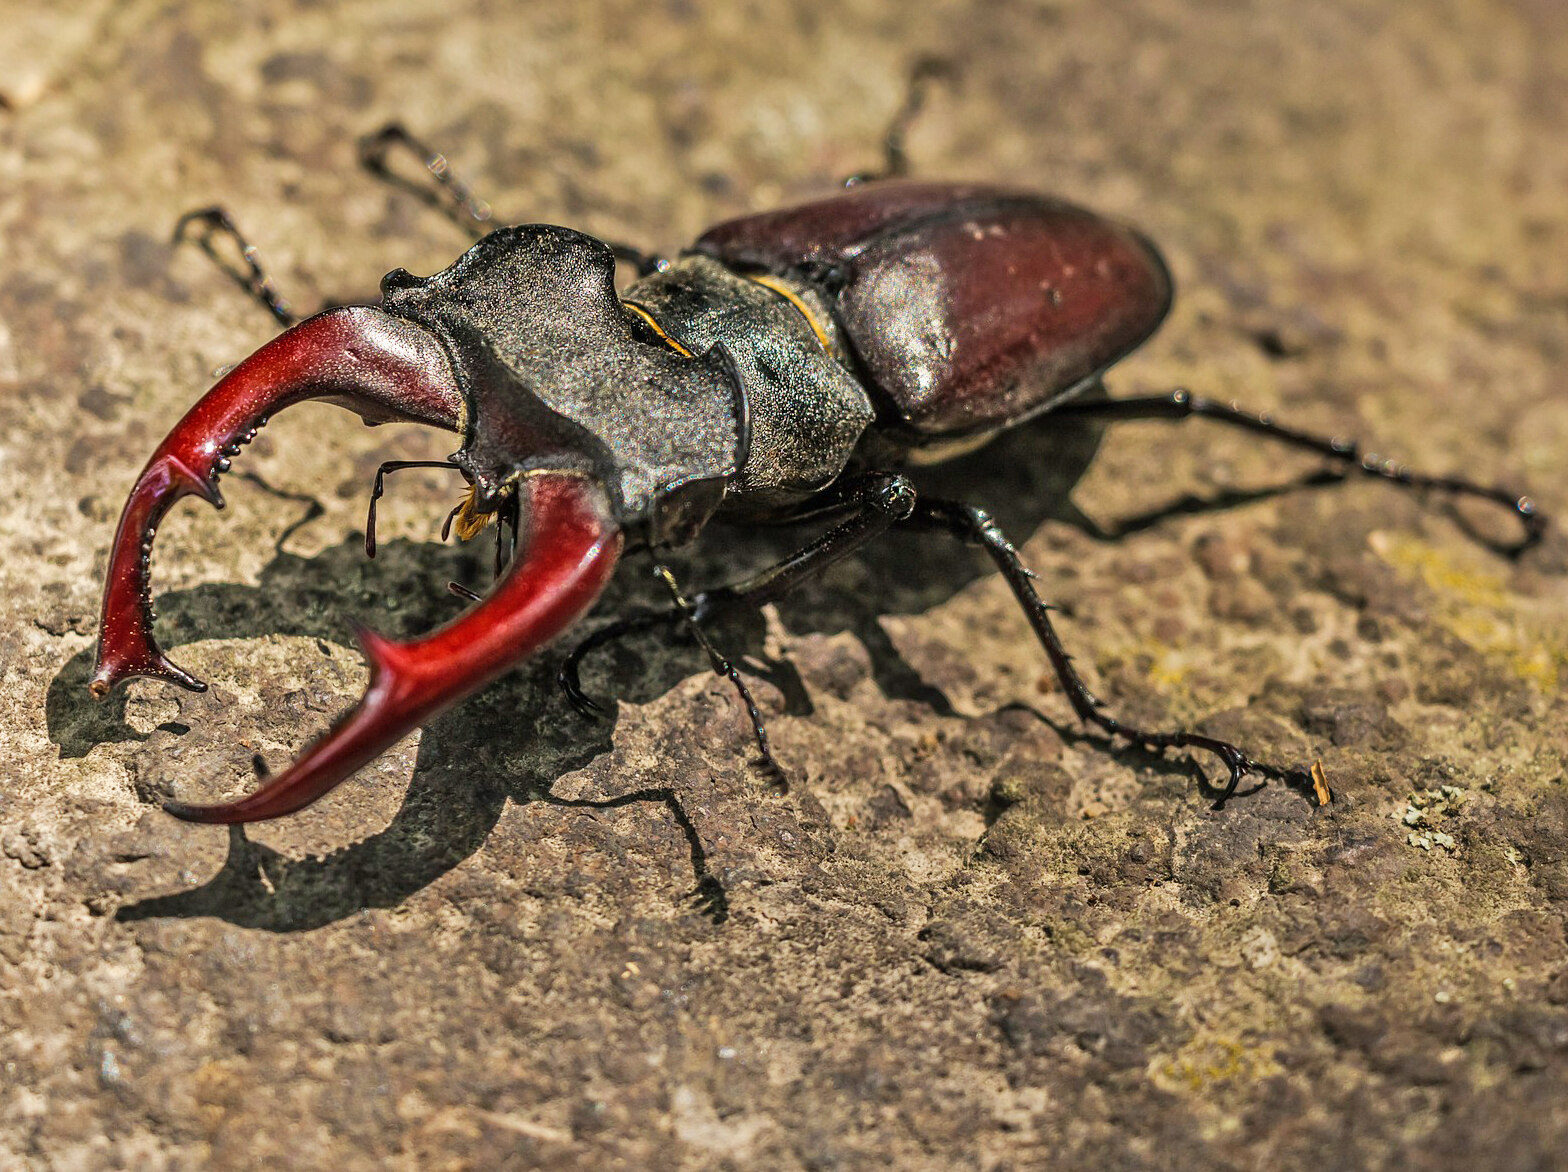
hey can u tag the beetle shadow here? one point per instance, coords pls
(464, 773)
(448, 813)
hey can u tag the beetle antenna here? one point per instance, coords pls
(379, 487)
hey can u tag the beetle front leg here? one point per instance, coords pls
(877, 502)
(976, 527)
(723, 667)
(253, 278)
(450, 194)
(455, 198)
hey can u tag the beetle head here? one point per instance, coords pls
(558, 375)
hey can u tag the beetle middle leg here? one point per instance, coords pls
(878, 503)
(895, 156)
(1183, 404)
(976, 527)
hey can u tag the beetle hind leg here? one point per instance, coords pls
(1349, 455)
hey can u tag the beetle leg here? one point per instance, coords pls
(976, 527)
(380, 366)
(254, 278)
(895, 157)
(451, 195)
(723, 667)
(682, 612)
(876, 502)
(454, 197)
(880, 499)
(1182, 404)
(572, 550)
(569, 676)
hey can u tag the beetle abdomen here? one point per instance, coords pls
(968, 307)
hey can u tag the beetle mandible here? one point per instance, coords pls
(791, 364)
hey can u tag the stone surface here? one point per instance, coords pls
(969, 937)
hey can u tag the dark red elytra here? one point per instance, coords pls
(969, 307)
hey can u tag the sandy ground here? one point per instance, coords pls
(969, 937)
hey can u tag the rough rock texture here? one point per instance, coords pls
(969, 937)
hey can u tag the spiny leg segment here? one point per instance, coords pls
(253, 278)
(1347, 454)
(454, 197)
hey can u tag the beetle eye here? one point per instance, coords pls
(400, 279)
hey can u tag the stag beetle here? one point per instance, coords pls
(792, 364)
